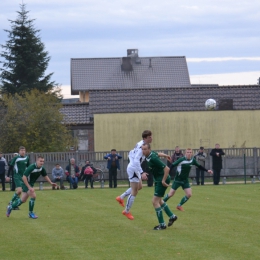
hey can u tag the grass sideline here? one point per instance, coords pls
(219, 222)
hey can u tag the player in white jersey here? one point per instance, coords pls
(135, 174)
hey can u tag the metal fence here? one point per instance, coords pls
(233, 161)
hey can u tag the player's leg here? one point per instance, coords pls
(120, 198)
(16, 203)
(159, 212)
(18, 183)
(31, 204)
(188, 193)
(159, 192)
(175, 186)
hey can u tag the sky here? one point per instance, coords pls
(220, 38)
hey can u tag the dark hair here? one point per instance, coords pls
(57, 164)
(146, 133)
(40, 157)
(201, 148)
(113, 150)
(21, 148)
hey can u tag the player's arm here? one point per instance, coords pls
(137, 163)
(25, 180)
(168, 157)
(48, 180)
(44, 174)
(201, 167)
(166, 174)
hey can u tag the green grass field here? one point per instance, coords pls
(219, 222)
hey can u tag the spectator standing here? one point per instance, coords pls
(176, 156)
(200, 158)
(87, 173)
(3, 168)
(216, 154)
(72, 171)
(11, 174)
(57, 175)
(113, 165)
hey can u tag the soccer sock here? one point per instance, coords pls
(129, 203)
(15, 196)
(166, 198)
(17, 203)
(183, 200)
(166, 209)
(126, 193)
(159, 215)
(31, 204)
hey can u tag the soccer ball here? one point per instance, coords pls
(210, 104)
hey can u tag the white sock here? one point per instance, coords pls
(129, 203)
(126, 193)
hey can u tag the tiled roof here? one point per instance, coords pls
(106, 73)
(172, 99)
(76, 114)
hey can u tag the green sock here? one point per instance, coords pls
(159, 215)
(17, 203)
(166, 198)
(31, 204)
(167, 210)
(15, 197)
(183, 200)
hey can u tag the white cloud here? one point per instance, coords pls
(220, 59)
(242, 78)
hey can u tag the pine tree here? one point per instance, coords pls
(25, 58)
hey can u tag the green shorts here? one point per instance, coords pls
(25, 188)
(159, 189)
(184, 184)
(18, 180)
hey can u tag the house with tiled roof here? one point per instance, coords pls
(114, 89)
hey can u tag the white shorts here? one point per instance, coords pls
(132, 175)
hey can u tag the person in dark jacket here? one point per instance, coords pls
(11, 174)
(88, 177)
(113, 165)
(3, 168)
(216, 154)
(72, 172)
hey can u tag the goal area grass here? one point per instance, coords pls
(219, 222)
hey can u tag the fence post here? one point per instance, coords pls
(245, 167)
(255, 160)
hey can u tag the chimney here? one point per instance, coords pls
(150, 63)
(133, 53)
(126, 64)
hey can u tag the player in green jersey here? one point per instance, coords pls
(33, 172)
(161, 181)
(182, 177)
(19, 164)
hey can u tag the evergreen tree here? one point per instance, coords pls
(25, 59)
